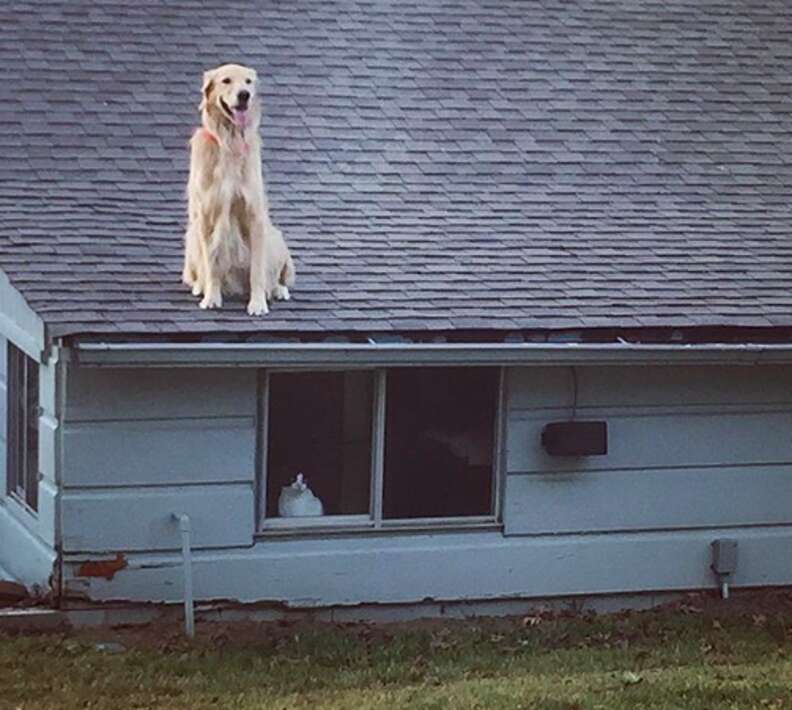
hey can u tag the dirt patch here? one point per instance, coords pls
(741, 603)
(769, 609)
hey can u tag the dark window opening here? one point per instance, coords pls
(320, 425)
(22, 426)
(439, 442)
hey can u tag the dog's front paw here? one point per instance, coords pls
(281, 293)
(212, 301)
(257, 306)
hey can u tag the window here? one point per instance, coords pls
(22, 427)
(439, 442)
(379, 448)
(320, 427)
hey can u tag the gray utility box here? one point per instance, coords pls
(724, 556)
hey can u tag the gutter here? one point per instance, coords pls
(311, 355)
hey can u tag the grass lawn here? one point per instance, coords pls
(700, 653)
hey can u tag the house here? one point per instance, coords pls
(504, 215)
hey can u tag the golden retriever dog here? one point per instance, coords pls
(231, 245)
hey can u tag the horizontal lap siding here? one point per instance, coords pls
(140, 445)
(656, 499)
(691, 450)
(128, 394)
(159, 452)
(687, 448)
(143, 519)
(649, 386)
(664, 440)
(451, 567)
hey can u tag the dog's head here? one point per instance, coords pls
(230, 91)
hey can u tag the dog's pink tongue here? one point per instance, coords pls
(240, 117)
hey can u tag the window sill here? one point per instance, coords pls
(317, 522)
(19, 508)
(340, 526)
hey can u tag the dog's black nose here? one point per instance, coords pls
(243, 96)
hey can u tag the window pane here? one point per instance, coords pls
(31, 434)
(439, 442)
(15, 415)
(320, 426)
(22, 426)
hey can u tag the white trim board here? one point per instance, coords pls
(19, 322)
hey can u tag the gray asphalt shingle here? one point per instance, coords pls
(481, 164)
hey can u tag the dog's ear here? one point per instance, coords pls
(206, 89)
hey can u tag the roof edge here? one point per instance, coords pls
(313, 355)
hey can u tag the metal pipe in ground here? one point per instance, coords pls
(185, 528)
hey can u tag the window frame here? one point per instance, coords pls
(373, 521)
(22, 476)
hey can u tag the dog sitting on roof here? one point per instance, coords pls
(231, 245)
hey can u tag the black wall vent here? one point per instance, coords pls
(575, 438)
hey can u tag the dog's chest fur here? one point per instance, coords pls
(229, 180)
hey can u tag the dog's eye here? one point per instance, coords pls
(247, 81)
(227, 80)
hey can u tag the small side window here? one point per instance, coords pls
(22, 426)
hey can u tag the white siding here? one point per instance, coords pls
(687, 448)
(401, 569)
(694, 454)
(28, 539)
(140, 445)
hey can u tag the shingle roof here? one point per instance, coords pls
(473, 164)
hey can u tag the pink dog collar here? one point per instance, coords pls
(241, 147)
(207, 135)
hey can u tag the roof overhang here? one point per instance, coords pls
(373, 354)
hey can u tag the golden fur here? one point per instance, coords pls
(231, 245)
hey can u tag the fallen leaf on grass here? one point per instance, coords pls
(418, 668)
(221, 637)
(718, 646)
(441, 642)
(531, 620)
(630, 678)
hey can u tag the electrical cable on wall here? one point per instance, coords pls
(574, 391)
